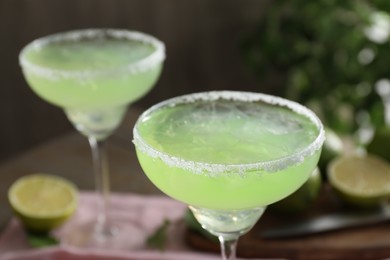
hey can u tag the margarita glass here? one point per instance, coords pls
(94, 74)
(228, 155)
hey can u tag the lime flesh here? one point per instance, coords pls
(360, 180)
(42, 202)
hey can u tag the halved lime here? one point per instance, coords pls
(42, 201)
(360, 180)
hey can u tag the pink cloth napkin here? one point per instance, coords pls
(87, 254)
(136, 216)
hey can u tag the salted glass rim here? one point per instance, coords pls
(146, 63)
(216, 168)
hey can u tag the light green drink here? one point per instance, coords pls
(94, 74)
(228, 155)
(229, 136)
(86, 74)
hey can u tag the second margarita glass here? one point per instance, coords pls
(94, 74)
(228, 154)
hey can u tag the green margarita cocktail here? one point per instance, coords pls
(109, 73)
(225, 151)
(94, 74)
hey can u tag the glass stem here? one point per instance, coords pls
(102, 182)
(228, 247)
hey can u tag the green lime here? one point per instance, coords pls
(380, 142)
(42, 202)
(193, 224)
(360, 180)
(332, 147)
(301, 199)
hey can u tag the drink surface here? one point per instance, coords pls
(89, 54)
(226, 132)
(89, 73)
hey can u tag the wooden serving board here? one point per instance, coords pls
(365, 242)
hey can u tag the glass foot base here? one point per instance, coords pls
(122, 237)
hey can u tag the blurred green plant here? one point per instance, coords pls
(331, 55)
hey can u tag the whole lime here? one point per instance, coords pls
(301, 199)
(332, 147)
(193, 224)
(380, 142)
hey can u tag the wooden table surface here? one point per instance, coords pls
(70, 156)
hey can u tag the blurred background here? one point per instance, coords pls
(331, 55)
